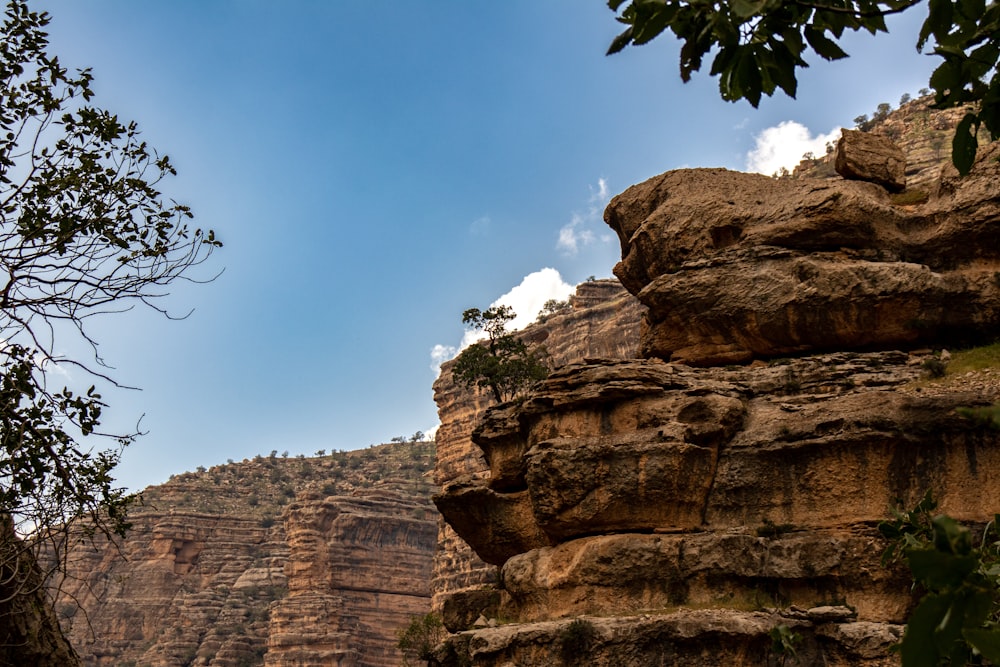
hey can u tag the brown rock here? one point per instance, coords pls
(764, 478)
(740, 266)
(870, 157)
(710, 637)
(225, 568)
(496, 525)
(604, 323)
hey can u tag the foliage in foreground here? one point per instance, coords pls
(956, 620)
(418, 639)
(759, 44)
(504, 364)
(84, 232)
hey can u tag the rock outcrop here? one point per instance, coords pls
(706, 502)
(737, 266)
(272, 561)
(603, 322)
(871, 158)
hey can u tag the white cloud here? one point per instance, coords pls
(784, 145)
(577, 232)
(573, 235)
(526, 299)
(440, 354)
(535, 289)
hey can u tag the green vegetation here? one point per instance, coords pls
(553, 307)
(757, 46)
(420, 637)
(957, 621)
(784, 642)
(261, 487)
(84, 232)
(504, 364)
(576, 640)
(975, 359)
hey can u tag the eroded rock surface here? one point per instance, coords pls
(273, 561)
(603, 322)
(691, 506)
(871, 157)
(739, 266)
(648, 484)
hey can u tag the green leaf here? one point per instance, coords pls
(620, 42)
(823, 45)
(746, 8)
(938, 22)
(964, 145)
(937, 570)
(919, 646)
(987, 642)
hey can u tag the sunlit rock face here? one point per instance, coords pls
(735, 267)
(686, 503)
(603, 322)
(271, 561)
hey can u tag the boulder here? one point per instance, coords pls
(734, 267)
(870, 157)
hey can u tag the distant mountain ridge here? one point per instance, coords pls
(270, 561)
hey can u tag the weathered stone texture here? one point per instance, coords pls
(873, 158)
(270, 577)
(603, 323)
(745, 462)
(740, 266)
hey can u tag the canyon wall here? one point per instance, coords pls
(701, 503)
(272, 561)
(602, 322)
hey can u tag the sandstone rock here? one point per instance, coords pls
(604, 323)
(214, 574)
(742, 480)
(693, 637)
(496, 525)
(465, 609)
(870, 157)
(637, 487)
(740, 266)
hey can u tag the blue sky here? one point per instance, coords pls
(375, 168)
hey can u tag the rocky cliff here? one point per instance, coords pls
(705, 502)
(602, 322)
(272, 561)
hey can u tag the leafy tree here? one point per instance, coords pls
(504, 364)
(957, 620)
(759, 44)
(84, 232)
(551, 307)
(418, 639)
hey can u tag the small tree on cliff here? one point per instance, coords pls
(758, 45)
(502, 363)
(83, 232)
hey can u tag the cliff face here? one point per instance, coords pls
(690, 503)
(273, 561)
(603, 322)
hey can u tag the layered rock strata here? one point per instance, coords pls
(603, 322)
(644, 490)
(737, 266)
(271, 561)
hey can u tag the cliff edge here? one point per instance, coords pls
(692, 505)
